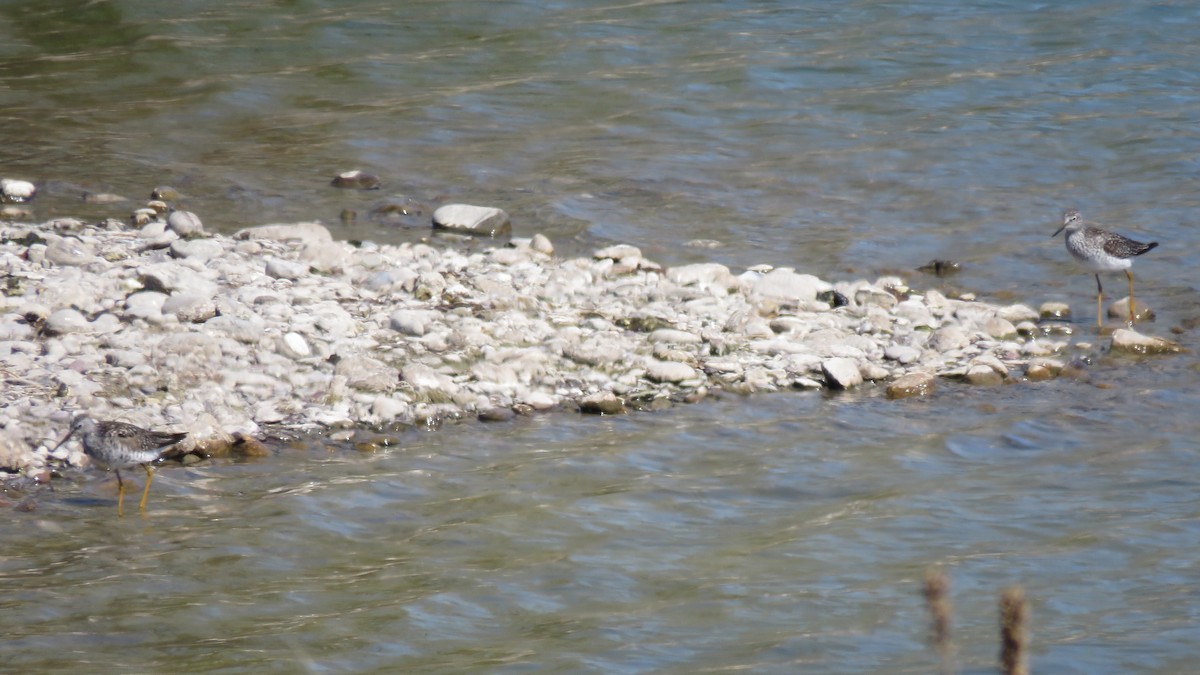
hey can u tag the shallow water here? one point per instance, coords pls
(777, 533)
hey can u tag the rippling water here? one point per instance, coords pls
(777, 533)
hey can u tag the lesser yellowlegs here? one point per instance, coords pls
(1102, 251)
(116, 444)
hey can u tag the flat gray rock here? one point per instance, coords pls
(302, 232)
(478, 221)
(841, 373)
(784, 284)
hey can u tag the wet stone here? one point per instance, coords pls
(1059, 311)
(912, 384)
(102, 198)
(12, 212)
(165, 193)
(1120, 310)
(15, 191)
(496, 415)
(983, 375)
(142, 217)
(1043, 369)
(941, 268)
(1133, 342)
(602, 403)
(466, 219)
(356, 180)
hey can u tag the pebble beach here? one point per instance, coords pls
(161, 324)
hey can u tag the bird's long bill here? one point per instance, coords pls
(1057, 231)
(64, 440)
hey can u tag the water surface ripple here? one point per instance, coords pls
(777, 533)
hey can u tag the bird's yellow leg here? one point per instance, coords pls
(1099, 304)
(120, 493)
(146, 492)
(1132, 307)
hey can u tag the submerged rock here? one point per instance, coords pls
(356, 180)
(1133, 342)
(1120, 310)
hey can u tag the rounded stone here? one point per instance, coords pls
(66, 321)
(185, 223)
(1054, 310)
(294, 346)
(415, 322)
(602, 403)
(983, 375)
(481, 221)
(541, 244)
(14, 191)
(143, 217)
(669, 371)
(912, 384)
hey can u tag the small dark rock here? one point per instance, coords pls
(833, 298)
(356, 180)
(941, 268)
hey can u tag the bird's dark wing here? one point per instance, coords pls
(1124, 247)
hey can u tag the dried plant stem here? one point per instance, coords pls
(937, 597)
(1014, 633)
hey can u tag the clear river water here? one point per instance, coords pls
(784, 532)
